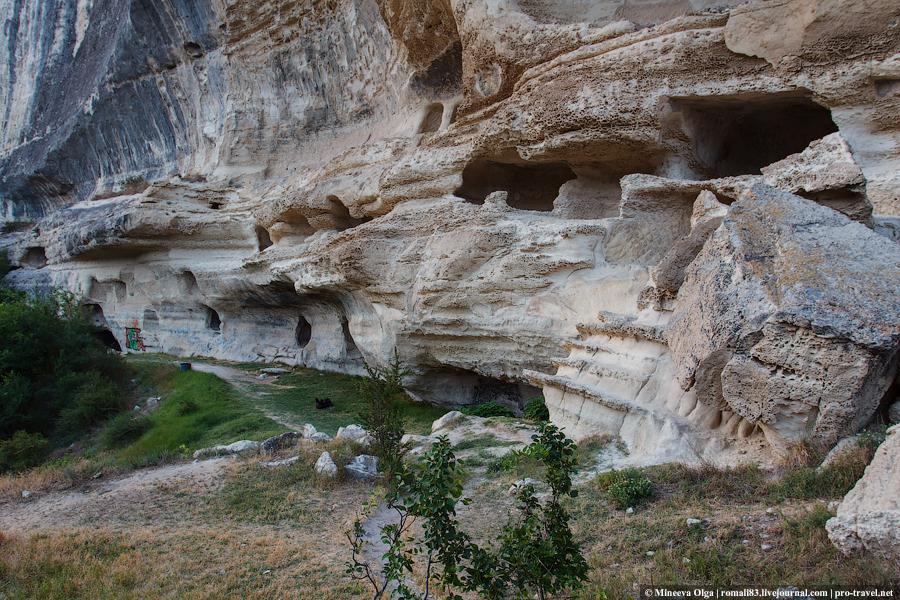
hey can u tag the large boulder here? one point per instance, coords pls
(790, 317)
(869, 516)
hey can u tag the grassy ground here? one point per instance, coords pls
(250, 531)
(201, 410)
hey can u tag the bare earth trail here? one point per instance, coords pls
(107, 500)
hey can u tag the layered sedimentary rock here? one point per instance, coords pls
(676, 220)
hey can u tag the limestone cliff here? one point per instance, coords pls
(677, 218)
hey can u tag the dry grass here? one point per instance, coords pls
(249, 531)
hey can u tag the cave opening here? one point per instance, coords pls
(193, 49)
(304, 332)
(215, 205)
(102, 334)
(530, 186)
(213, 320)
(35, 258)
(434, 114)
(341, 215)
(461, 388)
(741, 134)
(263, 240)
(353, 352)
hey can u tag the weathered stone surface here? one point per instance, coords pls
(894, 413)
(363, 468)
(869, 516)
(278, 442)
(789, 317)
(463, 182)
(239, 448)
(354, 433)
(325, 465)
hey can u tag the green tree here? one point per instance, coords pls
(56, 379)
(537, 554)
(382, 416)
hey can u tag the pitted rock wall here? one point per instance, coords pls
(514, 196)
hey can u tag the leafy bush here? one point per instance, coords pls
(537, 554)
(124, 429)
(382, 415)
(626, 488)
(488, 409)
(536, 409)
(56, 379)
(22, 451)
(96, 399)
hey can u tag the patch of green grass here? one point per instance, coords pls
(737, 484)
(294, 397)
(201, 410)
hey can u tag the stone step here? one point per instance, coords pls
(592, 393)
(623, 329)
(601, 370)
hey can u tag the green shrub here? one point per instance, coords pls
(536, 409)
(124, 429)
(22, 451)
(488, 409)
(56, 379)
(95, 400)
(382, 414)
(626, 488)
(537, 555)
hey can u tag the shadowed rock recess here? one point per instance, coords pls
(676, 220)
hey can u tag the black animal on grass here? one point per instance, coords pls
(326, 403)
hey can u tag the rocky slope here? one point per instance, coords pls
(677, 219)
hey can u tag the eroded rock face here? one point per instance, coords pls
(483, 186)
(869, 516)
(789, 318)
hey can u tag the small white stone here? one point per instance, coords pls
(26, 494)
(685, 560)
(650, 552)
(693, 521)
(325, 465)
(765, 547)
(629, 510)
(745, 542)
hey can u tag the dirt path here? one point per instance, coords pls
(102, 500)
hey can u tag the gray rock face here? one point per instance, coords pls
(354, 433)
(894, 413)
(869, 516)
(239, 448)
(363, 468)
(474, 184)
(278, 442)
(790, 317)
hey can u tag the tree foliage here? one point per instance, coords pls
(382, 416)
(56, 379)
(536, 556)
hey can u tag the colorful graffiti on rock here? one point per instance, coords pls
(133, 339)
